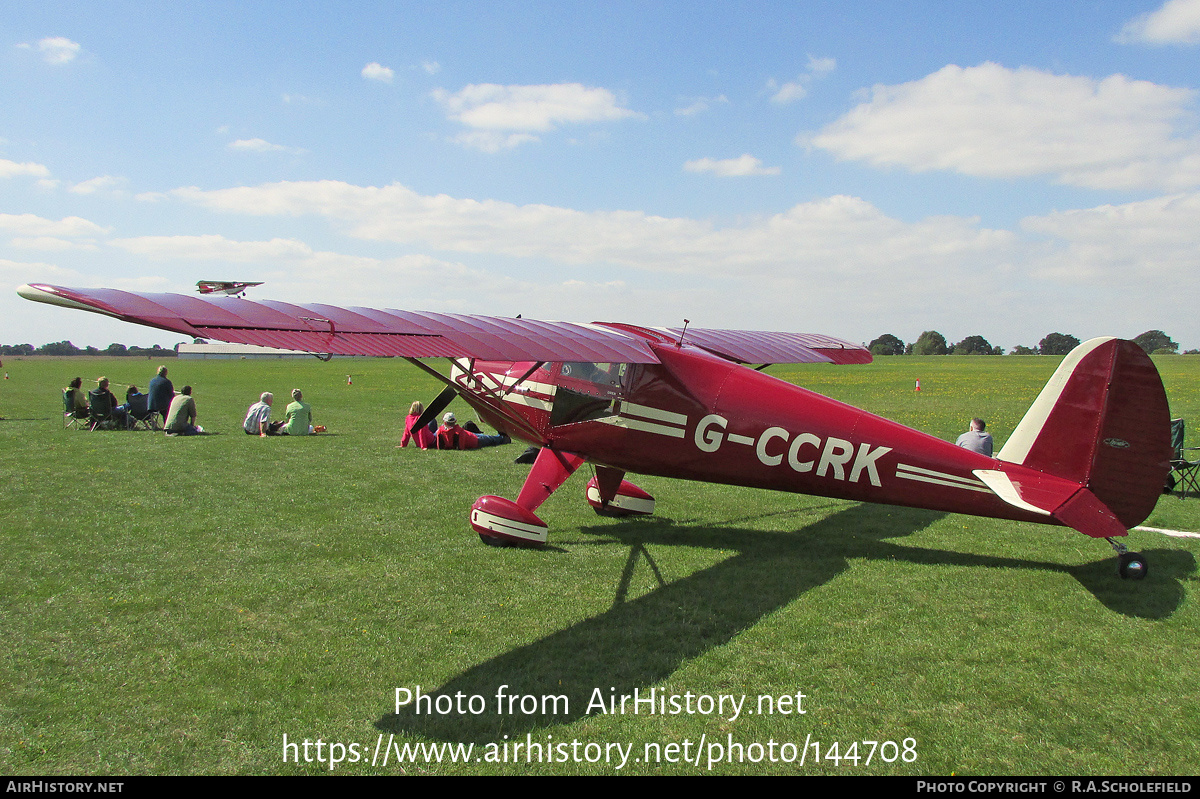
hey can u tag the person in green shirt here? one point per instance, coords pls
(297, 416)
(181, 416)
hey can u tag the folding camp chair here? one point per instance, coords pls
(139, 414)
(72, 416)
(1183, 471)
(101, 410)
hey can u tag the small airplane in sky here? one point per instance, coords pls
(231, 287)
(1092, 452)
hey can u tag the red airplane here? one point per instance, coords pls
(1092, 453)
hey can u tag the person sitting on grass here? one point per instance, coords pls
(977, 439)
(452, 436)
(181, 417)
(258, 417)
(424, 437)
(297, 420)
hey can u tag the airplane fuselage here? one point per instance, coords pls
(698, 417)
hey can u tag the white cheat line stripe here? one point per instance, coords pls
(1172, 533)
(645, 411)
(529, 402)
(939, 478)
(645, 427)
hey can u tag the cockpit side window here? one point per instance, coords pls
(587, 390)
(601, 375)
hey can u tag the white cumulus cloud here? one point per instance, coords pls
(33, 225)
(1176, 22)
(529, 110)
(1153, 241)
(791, 91)
(262, 146)
(96, 184)
(699, 105)
(15, 273)
(51, 244)
(842, 230)
(836, 265)
(213, 247)
(10, 169)
(55, 49)
(654, 268)
(731, 167)
(490, 141)
(377, 71)
(819, 66)
(992, 121)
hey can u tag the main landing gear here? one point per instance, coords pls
(1130, 565)
(502, 522)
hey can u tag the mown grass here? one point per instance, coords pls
(179, 605)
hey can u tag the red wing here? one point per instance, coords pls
(364, 331)
(354, 331)
(760, 346)
(755, 346)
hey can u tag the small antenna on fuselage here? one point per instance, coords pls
(679, 343)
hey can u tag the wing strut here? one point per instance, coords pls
(523, 377)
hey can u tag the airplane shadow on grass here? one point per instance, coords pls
(638, 643)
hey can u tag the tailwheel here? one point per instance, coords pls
(1131, 566)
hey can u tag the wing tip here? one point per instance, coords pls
(55, 295)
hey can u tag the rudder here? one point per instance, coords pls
(1103, 422)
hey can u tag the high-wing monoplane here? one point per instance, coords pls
(230, 287)
(1092, 453)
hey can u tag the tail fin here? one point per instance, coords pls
(1101, 422)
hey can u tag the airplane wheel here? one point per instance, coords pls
(492, 541)
(1131, 566)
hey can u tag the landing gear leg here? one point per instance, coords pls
(1130, 565)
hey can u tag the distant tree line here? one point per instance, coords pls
(67, 348)
(932, 342)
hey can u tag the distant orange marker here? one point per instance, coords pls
(918, 385)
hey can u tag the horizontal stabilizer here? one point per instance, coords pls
(1034, 493)
(1087, 514)
(1046, 495)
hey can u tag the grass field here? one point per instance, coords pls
(181, 605)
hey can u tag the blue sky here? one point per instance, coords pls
(1002, 169)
